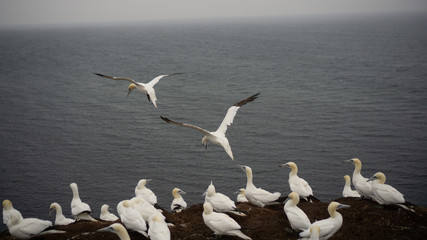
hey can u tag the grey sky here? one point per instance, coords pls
(22, 12)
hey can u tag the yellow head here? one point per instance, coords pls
(7, 205)
(294, 196)
(378, 177)
(131, 87)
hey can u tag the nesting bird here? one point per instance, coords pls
(220, 202)
(60, 219)
(297, 184)
(8, 211)
(79, 209)
(347, 191)
(131, 218)
(329, 226)
(141, 190)
(146, 88)
(144, 208)
(106, 215)
(257, 196)
(118, 229)
(178, 204)
(241, 195)
(360, 182)
(158, 229)
(297, 217)
(218, 137)
(221, 223)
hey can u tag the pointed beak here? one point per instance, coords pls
(182, 192)
(106, 229)
(283, 165)
(348, 160)
(204, 194)
(51, 212)
(237, 192)
(129, 91)
(343, 206)
(242, 167)
(371, 179)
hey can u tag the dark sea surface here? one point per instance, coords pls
(331, 89)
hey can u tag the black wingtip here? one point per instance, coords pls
(99, 74)
(165, 119)
(249, 99)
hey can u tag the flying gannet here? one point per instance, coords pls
(329, 226)
(158, 229)
(221, 223)
(178, 204)
(131, 218)
(257, 196)
(297, 184)
(79, 209)
(220, 202)
(141, 190)
(218, 137)
(385, 194)
(297, 217)
(60, 219)
(241, 195)
(8, 211)
(360, 182)
(146, 88)
(347, 191)
(118, 229)
(106, 215)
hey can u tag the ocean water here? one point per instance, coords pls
(331, 89)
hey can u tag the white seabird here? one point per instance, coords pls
(314, 232)
(131, 218)
(329, 226)
(220, 202)
(141, 190)
(218, 137)
(221, 223)
(178, 204)
(347, 191)
(60, 219)
(79, 209)
(28, 227)
(158, 229)
(297, 217)
(241, 195)
(118, 229)
(257, 196)
(360, 182)
(297, 184)
(146, 88)
(106, 215)
(8, 211)
(144, 208)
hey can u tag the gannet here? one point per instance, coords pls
(146, 88)
(118, 229)
(329, 226)
(178, 204)
(241, 195)
(141, 190)
(385, 194)
(218, 137)
(131, 218)
(158, 229)
(297, 184)
(8, 211)
(347, 191)
(221, 223)
(314, 232)
(27, 227)
(60, 219)
(297, 217)
(360, 182)
(257, 196)
(79, 209)
(144, 208)
(106, 215)
(220, 202)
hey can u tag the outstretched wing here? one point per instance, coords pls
(231, 113)
(156, 79)
(206, 132)
(118, 78)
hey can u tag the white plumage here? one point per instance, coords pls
(79, 209)
(60, 219)
(220, 202)
(145, 209)
(106, 215)
(297, 184)
(384, 193)
(8, 211)
(241, 195)
(158, 229)
(178, 204)
(347, 191)
(131, 218)
(360, 182)
(297, 217)
(141, 190)
(118, 229)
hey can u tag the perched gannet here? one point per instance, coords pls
(158, 229)
(329, 226)
(221, 223)
(146, 88)
(118, 229)
(60, 219)
(8, 211)
(360, 182)
(218, 137)
(144, 208)
(141, 190)
(347, 191)
(297, 218)
(79, 209)
(106, 215)
(178, 204)
(27, 227)
(241, 195)
(220, 202)
(257, 196)
(314, 232)
(131, 218)
(296, 183)
(386, 194)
